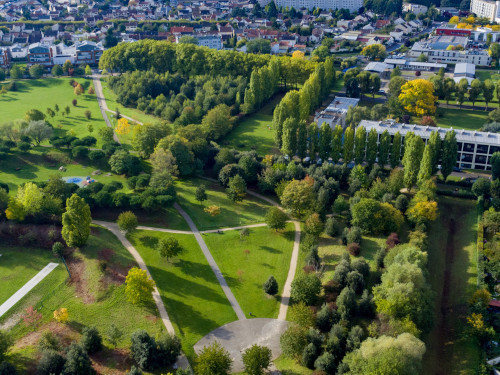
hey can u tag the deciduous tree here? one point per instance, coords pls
(76, 222)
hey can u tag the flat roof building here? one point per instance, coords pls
(464, 70)
(474, 147)
(336, 112)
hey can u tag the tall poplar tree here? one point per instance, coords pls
(425, 171)
(302, 139)
(336, 148)
(289, 146)
(411, 159)
(396, 150)
(383, 148)
(348, 148)
(325, 140)
(359, 145)
(313, 135)
(449, 156)
(435, 143)
(371, 147)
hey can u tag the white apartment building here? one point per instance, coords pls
(210, 41)
(352, 5)
(414, 8)
(486, 8)
(436, 51)
(474, 148)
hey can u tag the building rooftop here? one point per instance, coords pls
(465, 69)
(341, 102)
(422, 131)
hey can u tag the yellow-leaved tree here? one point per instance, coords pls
(123, 127)
(212, 210)
(417, 97)
(61, 315)
(298, 55)
(423, 211)
(454, 20)
(139, 286)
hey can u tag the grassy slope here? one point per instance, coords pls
(462, 118)
(269, 254)
(34, 167)
(18, 265)
(462, 355)
(250, 211)
(43, 93)
(194, 299)
(254, 132)
(130, 112)
(109, 304)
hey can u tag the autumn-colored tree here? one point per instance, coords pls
(418, 98)
(61, 315)
(122, 127)
(32, 317)
(374, 51)
(212, 210)
(91, 91)
(298, 55)
(454, 20)
(78, 89)
(423, 211)
(139, 286)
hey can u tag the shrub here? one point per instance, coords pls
(306, 288)
(57, 249)
(354, 249)
(91, 340)
(355, 281)
(5, 343)
(331, 227)
(392, 240)
(271, 286)
(312, 259)
(77, 361)
(293, 341)
(213, 360)
(48, 342)
(326, 362)
(169, 348)
(23, 146)
(256, 359)
(401, 203)
(326, 318)
(74, 102)
(50, 363)
(143, 350)
(96, 155)
(309, 355)
(127, 221)
(80, 152)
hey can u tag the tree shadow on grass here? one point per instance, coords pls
(149, 241)
(271, 250)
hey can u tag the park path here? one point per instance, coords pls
(285, 295)
(102, 104)
(16, 297)
(213, 265)
(182, 361)
(201, 231)
(102, 101)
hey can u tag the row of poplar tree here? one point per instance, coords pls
(290, 115)
(420, 160)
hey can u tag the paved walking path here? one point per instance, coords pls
(182, 361)
(285, 296)
(201, 231)
(102, 104)
(16, 297)
(211, 261)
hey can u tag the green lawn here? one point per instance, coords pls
(18, 265)
(44, 93)
(249, 211)
(460, 355)
(254, 132)
(487, 74)
(130, 112)
(462, 119)
(93, 298)
(194, 299)
(18, 168)
(268, 254)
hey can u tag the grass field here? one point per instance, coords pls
(194, 299)
(449, 349)
(268, 254)
(254, 132)
(44, 93)
(462, 119)
(130, 112)
(18, 265)
(93, 298)
(249, 211)
(18, 168)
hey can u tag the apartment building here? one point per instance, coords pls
(352, 5)
(336, 112)
(474, 147)
(486, 8)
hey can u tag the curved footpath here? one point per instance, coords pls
(182, 360)
(285, 295)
